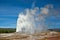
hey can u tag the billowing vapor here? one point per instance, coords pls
(32, 20)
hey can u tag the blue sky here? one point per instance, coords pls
(9, 10)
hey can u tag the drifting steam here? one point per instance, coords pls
(33, 20)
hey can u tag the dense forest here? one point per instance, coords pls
(7, 30)
(11, 30)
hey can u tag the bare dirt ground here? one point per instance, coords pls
(36, 36)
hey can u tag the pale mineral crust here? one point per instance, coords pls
(37, 36)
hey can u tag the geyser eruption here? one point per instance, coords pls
(32, 20)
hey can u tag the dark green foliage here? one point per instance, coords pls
(7, 30)
(57, 29)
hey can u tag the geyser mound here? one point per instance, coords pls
(32, 20)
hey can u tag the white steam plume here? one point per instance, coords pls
(33, 21)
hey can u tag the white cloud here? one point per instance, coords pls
(44, 10)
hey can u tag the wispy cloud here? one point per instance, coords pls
(8, 25)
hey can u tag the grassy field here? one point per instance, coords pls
(7, 30)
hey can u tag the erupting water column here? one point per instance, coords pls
(32, 21)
